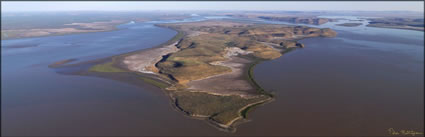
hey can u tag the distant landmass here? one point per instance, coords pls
(15, 25)
(398, 23)
(349, 24)
(296, 20)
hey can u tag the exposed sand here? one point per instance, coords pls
(145, 60)
(232, 83)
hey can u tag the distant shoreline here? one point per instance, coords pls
(39, 33)
(349, 24)
(397, 27)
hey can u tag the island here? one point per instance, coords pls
(207, 68)
(397, 23)
(349, 24)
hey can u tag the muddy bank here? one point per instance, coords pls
(145, 60)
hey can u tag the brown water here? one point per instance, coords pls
(38, 101)
(343, 87)
(362, 82)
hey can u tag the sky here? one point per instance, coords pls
(211, 5)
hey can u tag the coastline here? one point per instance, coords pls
(397, 27)
(112, 27)
(227, 104)
(316, 85)
(116, 61)
(229, 127)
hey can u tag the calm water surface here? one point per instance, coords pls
(38, 101)
(362, 82)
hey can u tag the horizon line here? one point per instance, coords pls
(221, 10)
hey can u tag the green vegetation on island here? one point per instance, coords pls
(221, 109)
(204, 67)
(207, 68)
